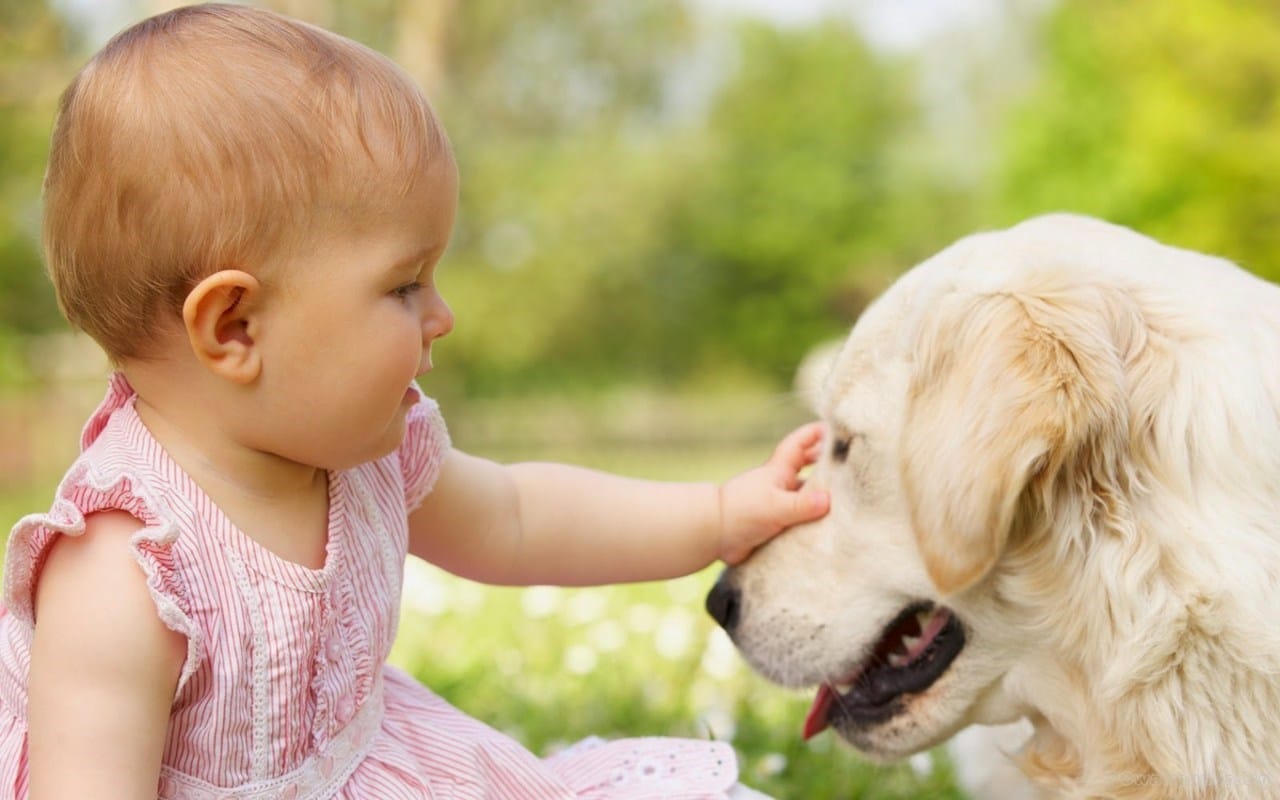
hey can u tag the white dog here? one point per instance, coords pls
(1054, 461)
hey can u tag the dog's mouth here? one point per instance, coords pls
(915, 650)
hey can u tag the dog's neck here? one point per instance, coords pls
(1145, 689)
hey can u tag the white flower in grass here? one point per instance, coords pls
(719, 723)
(820, 744)
(467, 596)
(586, 605)
(541, 601)
(580, 659)
(642, 617)
(657, 690)
(607, 636)
(921, 764)
(707, 693)
(686, 591)
(424, 592)
(674, 636)
(770, 764)
(721, 659)
(509, 661)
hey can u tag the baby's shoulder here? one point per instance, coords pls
(98, 564)
(101, 610)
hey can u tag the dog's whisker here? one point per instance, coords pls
(838, 696)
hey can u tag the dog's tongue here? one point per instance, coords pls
(815, 722)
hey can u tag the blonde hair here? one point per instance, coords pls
(210, 137)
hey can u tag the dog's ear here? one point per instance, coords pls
(1006, 391)
(811, 376)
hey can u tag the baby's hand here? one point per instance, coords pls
(761, 503)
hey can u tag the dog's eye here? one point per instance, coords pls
(840, 448)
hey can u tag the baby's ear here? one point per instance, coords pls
(217, 315)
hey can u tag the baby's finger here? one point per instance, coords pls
(793, 453)
(805, 506)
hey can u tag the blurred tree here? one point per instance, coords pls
(792, 208)
(1163, 116)
(609, 232)
(606, 236)
(556, 111)
(611, 228)
(34, 62)
(793, 192)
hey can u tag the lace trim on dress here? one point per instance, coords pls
(392, 555)
(320, 777)
(261, 688)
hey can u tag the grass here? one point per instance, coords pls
(550, 666)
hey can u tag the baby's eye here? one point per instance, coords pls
(407, 290)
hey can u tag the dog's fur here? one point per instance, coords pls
(1069, 435)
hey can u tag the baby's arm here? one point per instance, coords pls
(103, 670)
(558, 524)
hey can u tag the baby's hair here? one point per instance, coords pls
(215, 136)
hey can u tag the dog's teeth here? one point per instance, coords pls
(896, 660)
(909, 643)
(923, 617)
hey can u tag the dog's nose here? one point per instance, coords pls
(723, 603)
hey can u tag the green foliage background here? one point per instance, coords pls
(663, 202)
(653, 195)
(1162, 116)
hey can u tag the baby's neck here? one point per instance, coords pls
(281, 504)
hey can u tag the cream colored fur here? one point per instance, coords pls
(1068, 434)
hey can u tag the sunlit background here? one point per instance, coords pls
(665, 206)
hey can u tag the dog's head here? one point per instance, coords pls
(978, 422)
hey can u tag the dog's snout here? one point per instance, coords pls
(724, 602)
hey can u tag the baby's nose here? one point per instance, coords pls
(438, 320)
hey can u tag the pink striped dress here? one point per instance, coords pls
(284, 693)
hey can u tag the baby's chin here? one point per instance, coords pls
(381, 447)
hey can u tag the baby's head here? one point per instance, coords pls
(216, 137)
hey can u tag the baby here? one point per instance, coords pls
(247, 212)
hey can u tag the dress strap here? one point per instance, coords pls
(119, 394)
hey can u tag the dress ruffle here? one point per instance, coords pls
(93, 485)
(426, 441)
